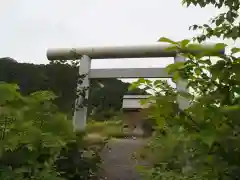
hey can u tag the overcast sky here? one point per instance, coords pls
(29, 27)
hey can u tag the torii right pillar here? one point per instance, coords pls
(181, 86)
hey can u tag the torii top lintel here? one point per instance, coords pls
(138, 51)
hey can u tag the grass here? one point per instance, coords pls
(107, 129)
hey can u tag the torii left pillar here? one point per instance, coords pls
(80, 113)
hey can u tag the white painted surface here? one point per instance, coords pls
(133, 104)
(158, 50)
(80, 114)
(181, 87)
(108, 52)
(129, 73)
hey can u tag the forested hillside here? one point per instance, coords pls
(105, 96)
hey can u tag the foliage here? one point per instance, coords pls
(202, 141)
(37, 141)
(224, 25)
(80, 160)
(104, 95)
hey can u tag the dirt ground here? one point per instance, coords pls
(118, 162)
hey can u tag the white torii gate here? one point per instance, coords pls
(145, 51)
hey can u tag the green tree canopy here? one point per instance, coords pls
(61, 79)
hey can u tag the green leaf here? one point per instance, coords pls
(144, 101)
(194, 27)
(208, 62)
(148, 82)
(184, 43)
(234, 33)
(236, 70)
(157, 82)
(141, 81)
(8, 92)
(220, 46)
(133, 86)
(230, 108)
(235, 50)
(207, 136)
(210, 158)
(220, 20)
(198, 71)
(205, 61)
(186, 95)
(187, 2)
(236, 90)
(43, 95)
(171, 48)
(217, 69)
(175, 66)
(166, 40)
(194, 47)
(161, 122)
(175, 77)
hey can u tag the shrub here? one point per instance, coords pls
(202, 141)
(36, 139)
(78, 163)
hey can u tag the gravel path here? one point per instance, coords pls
(118, 163)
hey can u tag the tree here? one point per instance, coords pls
(224, 25)
(38, 142)
(201, 142)
(61, 79)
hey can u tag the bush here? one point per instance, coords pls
(37, 141)
(201, 141)
(78, 163)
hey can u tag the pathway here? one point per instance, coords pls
(118, 163)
